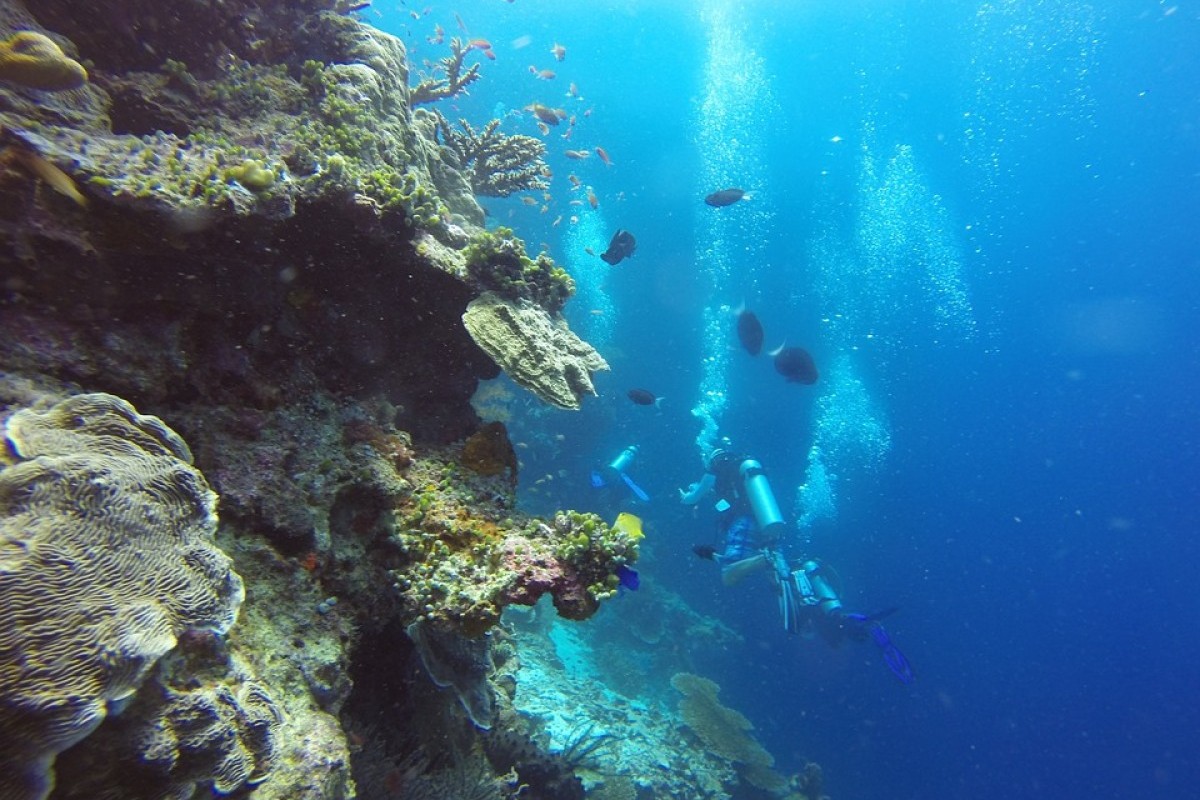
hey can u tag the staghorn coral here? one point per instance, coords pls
(536, 351)
(494, 163)
(722, 730)
(35, 61)
(107, 556)
(448, 78)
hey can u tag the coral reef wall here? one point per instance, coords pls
(252, 236)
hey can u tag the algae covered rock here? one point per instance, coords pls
(537, 351)
(106, 559)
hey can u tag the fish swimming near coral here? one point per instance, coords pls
(795, 364)
(630, 525)
(627, 578)
(644, 397)
(550, 116)
(750, 332)
(620, 247)
(726, 197)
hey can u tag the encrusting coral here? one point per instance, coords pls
(107, 556)
(35, 61)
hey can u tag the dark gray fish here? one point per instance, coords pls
(750, 332)
(725, 197)
(620, 247)
(796, 365)
(644, 398)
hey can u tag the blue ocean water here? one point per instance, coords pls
(981, 219)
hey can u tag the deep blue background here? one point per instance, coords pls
(1037, 516)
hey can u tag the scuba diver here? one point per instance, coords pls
(752, 527)
(615, 474)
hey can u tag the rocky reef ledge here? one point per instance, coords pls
(266, 201)
(234, 385)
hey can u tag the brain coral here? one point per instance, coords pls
(106, 557)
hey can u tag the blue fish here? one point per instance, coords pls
(628, 578)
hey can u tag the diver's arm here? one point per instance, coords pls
(696, 492)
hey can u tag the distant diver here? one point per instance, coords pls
(615, 473)
(796, 365)
(750, 332)
(726, 197)
(620, 248)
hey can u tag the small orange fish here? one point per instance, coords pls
(491, 56)
(479, 44)
(558, 51)
(544, 128)
(604, 156)
(593, 201)
(575, 182)
(545, 75)
(577, 155)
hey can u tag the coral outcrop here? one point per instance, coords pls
(107, 558)
(537, 351)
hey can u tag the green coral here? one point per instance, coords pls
(497, 260)
(253, 175)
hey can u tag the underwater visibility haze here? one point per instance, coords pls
(889, 436)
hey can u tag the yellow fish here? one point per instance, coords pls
(630, 525)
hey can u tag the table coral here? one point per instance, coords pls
(526, 342)
(107, 558)
(723, 730)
